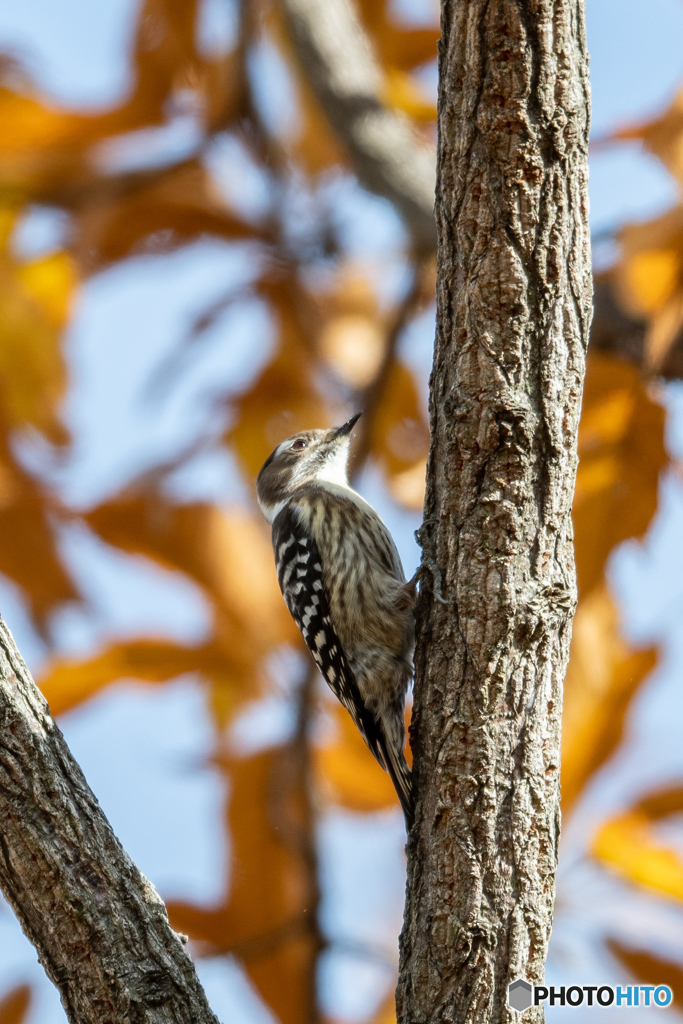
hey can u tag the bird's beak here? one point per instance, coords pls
(346, 428)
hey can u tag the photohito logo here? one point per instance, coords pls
(522, 995)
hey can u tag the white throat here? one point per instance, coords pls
(271, 512)
(333, 471)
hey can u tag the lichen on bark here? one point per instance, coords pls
(514, 300)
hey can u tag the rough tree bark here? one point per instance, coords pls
(513, 312)
(100, 928)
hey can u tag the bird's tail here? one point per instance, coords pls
(390, 756)
(402, 778)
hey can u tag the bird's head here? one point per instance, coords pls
(311, 455)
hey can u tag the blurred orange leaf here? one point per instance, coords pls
(315, 145)
(353, 337)
(14, 1007)
(408, 487)
(34, 301)
(628, 845)
(621, 453)
(407, 48)
(230, 556)
(267, 920)
(402, 92)
(649, 969)
(649, 280)
(661, 802)
(602, 676)
(348, 773)
(169, 207)
(400, 435)
(27, 543)
(663, 136)
(387, 1011)
(46, 153)
(650, 277)
(52, 282)
(353, 346)
(68, 683)
(396, 45)
(225, 551)
(39, 143)
(621, 449)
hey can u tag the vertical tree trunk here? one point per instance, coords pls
(514, 309)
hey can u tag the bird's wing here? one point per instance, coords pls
(300, 575)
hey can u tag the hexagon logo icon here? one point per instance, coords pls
(520, 995)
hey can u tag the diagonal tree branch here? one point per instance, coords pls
(100, 928)
(335, 54)
(388, 156)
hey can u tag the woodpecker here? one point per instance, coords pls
(343, 583)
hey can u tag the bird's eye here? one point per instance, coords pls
(298, 445)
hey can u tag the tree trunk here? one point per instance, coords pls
(100, 928)
(513, 316)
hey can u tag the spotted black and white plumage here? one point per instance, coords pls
(342, 580)
(300, 577)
